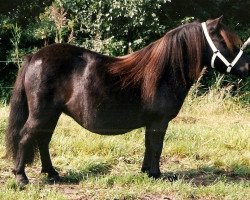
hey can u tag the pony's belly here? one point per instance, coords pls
(112, 123)
(108, 131)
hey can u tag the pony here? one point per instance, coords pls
(114, 95)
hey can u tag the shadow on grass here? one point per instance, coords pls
(90, 170)
(208, 175)
(204, 176)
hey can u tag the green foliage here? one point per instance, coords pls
(15, 41)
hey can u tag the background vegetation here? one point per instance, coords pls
(114, 27)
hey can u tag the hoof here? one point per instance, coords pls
(55, 178)
(154, 175)
(22, 180)
(144, 170)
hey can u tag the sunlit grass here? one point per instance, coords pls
(207, 146)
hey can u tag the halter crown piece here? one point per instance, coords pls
(217, 53)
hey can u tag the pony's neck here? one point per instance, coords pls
(177, 56)
(185, 53)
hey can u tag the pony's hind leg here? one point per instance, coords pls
(43, 140)
(47, 167)
(25, 153)
(37, 131)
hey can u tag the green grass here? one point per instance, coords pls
(207, 145)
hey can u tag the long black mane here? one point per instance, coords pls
(179, 51)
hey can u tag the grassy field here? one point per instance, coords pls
(207, 145)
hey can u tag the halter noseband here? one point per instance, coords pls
(217, 53)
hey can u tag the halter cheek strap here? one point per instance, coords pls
(217, 53)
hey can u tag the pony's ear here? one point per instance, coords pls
(214, 25)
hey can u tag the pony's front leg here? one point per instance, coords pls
(147, 155)
(153, 147)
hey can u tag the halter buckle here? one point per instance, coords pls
(229, 67)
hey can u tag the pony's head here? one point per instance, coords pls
(224, 49)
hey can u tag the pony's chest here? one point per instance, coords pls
(168, 102)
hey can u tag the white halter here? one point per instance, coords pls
(217, 52)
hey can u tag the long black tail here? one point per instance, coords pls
(18, 113)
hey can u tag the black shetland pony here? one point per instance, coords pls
(109, 95)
